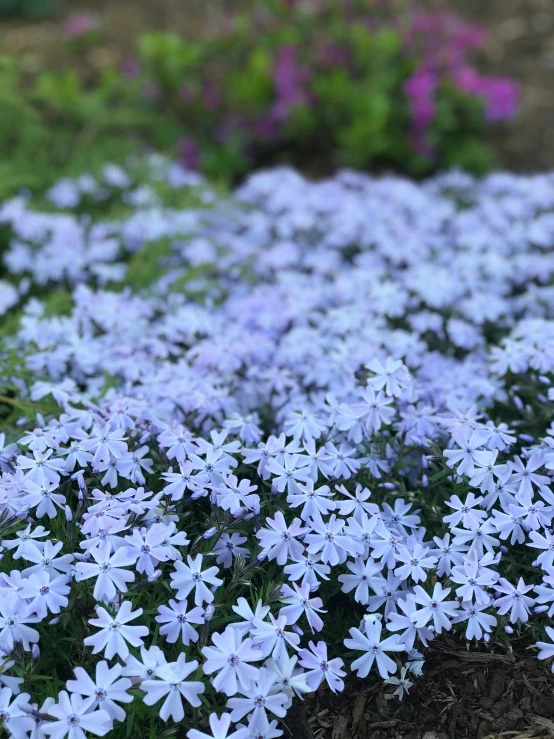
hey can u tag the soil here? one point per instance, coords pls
(520, 45)
(462, 694)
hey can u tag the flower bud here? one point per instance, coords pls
(209, 533)
(35, 651)
(209, 613)
(486, 637)
(297, 630)
(68, 514)
(540, 609)
(508, 629)
(544, 380)
(503, 549)
(424, 481)
(154, 576)
(518, 402)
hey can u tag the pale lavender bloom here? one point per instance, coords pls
(244, 610)
(115, 633)
(177, 621)
(45, 559)
(298, 601)
(279, 541)
(416, 561)
(403, 622)
(434, 608)
(45, 593)
(402, 684)
(466, 512)
(230, 658)
(546, 648)
(319, 667)
(308, 569)
(473, 578)
(189, 577)
(171, 683)
(147, 547)
(108, 570)
(228, 547)
(375, 650)
(366, 574)
(328, 540)
(219, 728)
(43, 469)
(515, 600)
(14, 624)
(105, 691)
(272, 638)
(478, 622)
(448, 554)
(145, 670)
(260, 697)
(313, 501)
(392, 377)
(74, 717)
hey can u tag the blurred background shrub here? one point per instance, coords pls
(316, 83)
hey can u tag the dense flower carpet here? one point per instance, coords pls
(316, 436)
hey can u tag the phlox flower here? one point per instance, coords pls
(373, 409)
(244, 610)
(219, 728)
(416, 561)
(546, 543)
(308, 569)
(545, 591)
(313, 501)
(106, 444)
(366, 574)
(399, 518)
(401, 683)
(328, 540)
(145, 669)
(356, 505)
(189, 577)
(147, 548)
(434, 608)
(229, 547)
(478, 621)
(185, 479)
(304, 425)
(43, 498)
(24, 538)
(74, 717)
(288, 678)
(177, 621)
(259, 698)
(13, 715)
(45, 593)
(391, 377)
(403, 622)
(515, 600)
(473, 578)
(115, 633)
(14, 625)
(108, 570)
(171, 682)
(288, 473)
(45, 559)
(466, 512)
(229, 657)
(340, 463)
(468, 454)
(534, 515)
(525, 477)
(279, 541)
(546, 649)
(375, 650)
(233, 495)
(44, 470)
(272, 638)
(319, 667)
(298, 601)
(448, 554)
(105, 691)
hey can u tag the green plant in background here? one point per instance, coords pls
(318, 85)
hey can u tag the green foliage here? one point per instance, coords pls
(314, 88)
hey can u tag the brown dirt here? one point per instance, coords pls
(462, 695)
(521, 45)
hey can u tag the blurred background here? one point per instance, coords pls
(231, 85)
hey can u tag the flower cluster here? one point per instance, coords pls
(335, 386)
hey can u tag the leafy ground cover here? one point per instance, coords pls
(259, 443)
(315, 84)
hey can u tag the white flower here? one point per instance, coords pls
(189, 577)
(74, 717)
(171, 682)
(106, 691)
(229, 657)
(114, 632)
(107, 569)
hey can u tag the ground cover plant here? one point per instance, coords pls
(262, 439)
(316, 84)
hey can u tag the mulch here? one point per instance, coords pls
(462, 694)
